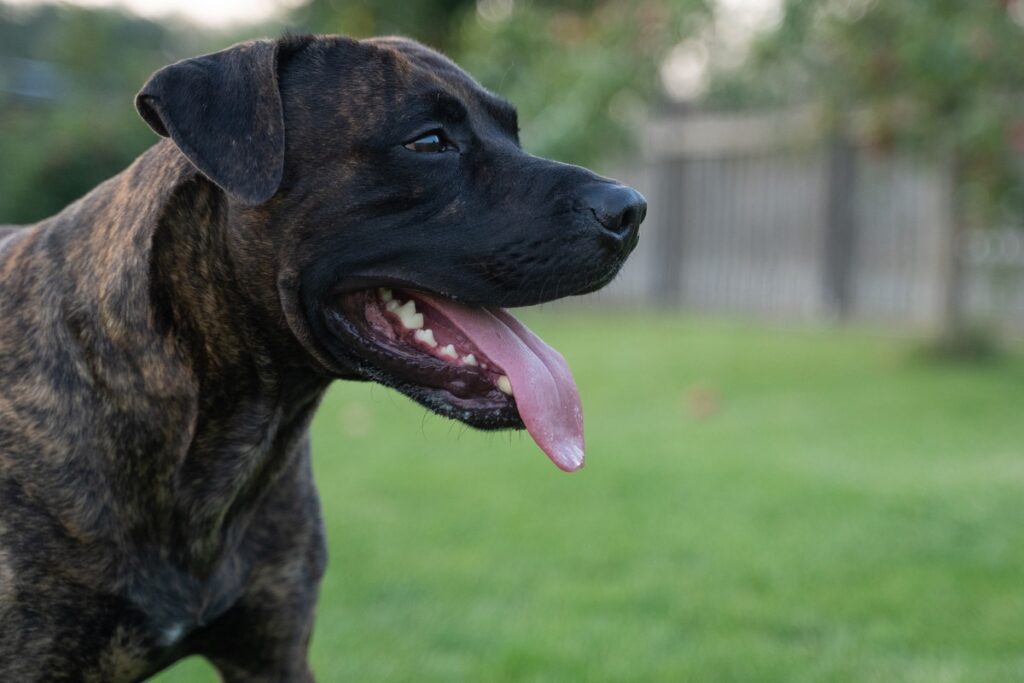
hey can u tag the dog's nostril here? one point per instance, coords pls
(629, 220)
(619, 209)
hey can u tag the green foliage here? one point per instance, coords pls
(758, 505)
(581, 76)
(430, 21)
(580, 71)
(52, 157)
(58, 147)
(929, 75)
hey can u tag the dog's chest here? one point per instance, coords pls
(176, 601)
(161, 607)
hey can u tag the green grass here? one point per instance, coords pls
(759, 505)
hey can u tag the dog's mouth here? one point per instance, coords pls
(475, 364)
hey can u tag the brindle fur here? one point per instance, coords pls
(157, 378)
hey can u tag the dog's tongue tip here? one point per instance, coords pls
(568, 457)
(545, 392)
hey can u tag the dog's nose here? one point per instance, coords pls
(619, 209)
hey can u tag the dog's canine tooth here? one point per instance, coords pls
(469, 359)
(385, 294)
(505, 385)
(449, 351)
(426, 336)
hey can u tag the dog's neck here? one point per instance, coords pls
(220, 395)
(257, 388)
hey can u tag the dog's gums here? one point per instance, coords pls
(480, 365)
(398, 320)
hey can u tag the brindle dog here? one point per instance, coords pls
(165, 340)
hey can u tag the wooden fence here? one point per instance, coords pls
(766, 215)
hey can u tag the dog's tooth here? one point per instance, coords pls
(426, 336)
(411, 320)
(504, 385)
(469, 359)
(449, 351)
(392, 305)
(385, 294)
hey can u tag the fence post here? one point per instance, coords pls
(668, 252)
(840, 223)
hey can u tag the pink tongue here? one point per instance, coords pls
(542, 384)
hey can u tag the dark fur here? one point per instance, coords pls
(162, 349)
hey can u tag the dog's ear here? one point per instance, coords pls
(223, 111)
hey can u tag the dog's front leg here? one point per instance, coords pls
(262, 640)
(264, 637)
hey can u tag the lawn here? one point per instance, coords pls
(758, 504)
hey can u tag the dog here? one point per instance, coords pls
(319, 208)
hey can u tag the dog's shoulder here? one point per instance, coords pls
(8, 231)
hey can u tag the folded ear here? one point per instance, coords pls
(223, 111)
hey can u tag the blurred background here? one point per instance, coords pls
(803, 394)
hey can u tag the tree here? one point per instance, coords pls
(81, 128)
(945, 74)
(944, 77)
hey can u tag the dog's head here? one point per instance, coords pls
(403, 213)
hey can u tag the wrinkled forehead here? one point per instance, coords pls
(437, 87)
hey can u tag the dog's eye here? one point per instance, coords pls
(431, 143)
